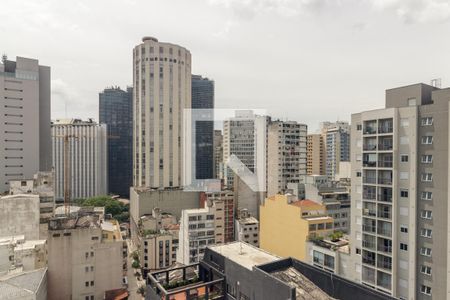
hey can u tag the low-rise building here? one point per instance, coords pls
(31, 285)
(197, 230)
(18, 254)
(41, 185)
(241, 271)
(286, 224)
(19, 215)
(157, 240)
(247, 228)
(86, 256)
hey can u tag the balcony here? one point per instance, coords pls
(370, 180)
(383, 264)
(369, 258)
(385, 144)
(369, 147)
(369, 228)
(385, 126)
(369, 164)
(370, 127)
(385, 249)
(368, 275)
(385, 231)
(369, 193)
(385, 194)
(385, 180)
(384, 280)
(369, 212)
(369, 242)
(384, 214)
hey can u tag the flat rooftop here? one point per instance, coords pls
(244, 254)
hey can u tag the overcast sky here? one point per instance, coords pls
(305, 60)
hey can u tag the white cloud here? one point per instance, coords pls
(416, 11)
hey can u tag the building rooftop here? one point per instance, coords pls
(248, 220)
(304, 203)
(244, 254)
(22, 285)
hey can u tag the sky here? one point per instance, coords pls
(303, 60)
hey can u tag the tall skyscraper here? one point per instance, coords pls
(316, 155)
(162, 90)
(400, 190)
(337, 145)
(24, 120)
(245, 136)
(116, 111)
(87, 154)
(286, 158)
(203, 98)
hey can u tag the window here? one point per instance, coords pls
(358, 174)
(403, 247)
(425, 290)
(425, 270)
(92, 283)
(427, 140)
(404, 193)
(404, 158)
(427, 196)
(86, 283)
(403, 228)
(427, 159)
(425, 251)
(358, 251)
(427, 177)
(426, 214)
(427, 121)
(426, 232)
(358, 127)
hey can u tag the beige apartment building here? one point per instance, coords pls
(286, 155)
(316, 155)
(162, 90)
(85, 256)
(222, 203)
(247, 228)
(24, 120)
(400, 187)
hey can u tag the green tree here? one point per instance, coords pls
(112, 206)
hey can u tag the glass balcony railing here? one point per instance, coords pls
(370, 129)
(385, 164)
(387, 265)
(369, 212)
(368, 245)
(370, 180)
(369, 147)
(368, 260)
(386, 146)
(386, 181)
(369, 196)
(385, 198)
(385, 231)
(385, 249)
(369, 164)
(384, 214)
(369, 228)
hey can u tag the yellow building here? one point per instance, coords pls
(287, 223)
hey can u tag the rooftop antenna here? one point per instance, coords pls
(437, 82)
(4, 58)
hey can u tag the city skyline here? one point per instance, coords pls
(231, 47)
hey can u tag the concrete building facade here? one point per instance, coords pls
(247, 228)
(336, 137)
(222, 203)
(24, 120)
(87, 155)
(400, 159)
(162, 90)
(315, 155)
(218, 153)
(85, 257)
(286, 224)
(286, 157)
(116, 111)
(19, 215)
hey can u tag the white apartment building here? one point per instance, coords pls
(245, 136)
(286, 155)
(162, 90)
(87, 155)
(247, 228)
(336, 136)
(24, 120)
(400, 180)
(197, 230)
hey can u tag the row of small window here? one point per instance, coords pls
(89, 297)
(89, 283)
(13, 90)
(424, 251)
(425, 159)
(424, 195)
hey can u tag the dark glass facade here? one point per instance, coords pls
(203, 98)
(116, 110)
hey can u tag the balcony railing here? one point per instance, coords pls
(385, 231)
(369, 228)
(369, 196)
(369, 212)
(385, 164)
(384, 283)
(385, 198)
(370, 130)
(369, 164)
(387, 181)
(385, 249)
(384, 214)
(384, 264)
(385, 146)
(370, 180)
(368, 276)
(369, 147)
(386, 128)
(368, 244)
(368, 260)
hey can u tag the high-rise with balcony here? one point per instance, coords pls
(24, 120)
(286, 157)
(203, 98)
(116, 111)
(162, 90)
(400, 180)
(336, 137)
